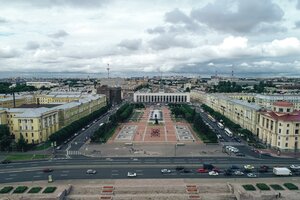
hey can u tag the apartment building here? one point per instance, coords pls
(37, 124)
(267, 101)
(279, 127)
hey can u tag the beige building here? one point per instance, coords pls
(37, 124)
(280, 126)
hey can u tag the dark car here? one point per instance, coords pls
(228, 172)
(208, 166)
(187, 170)
(180, 168)
(47, 170)
(240, 154)
(235, 167)
(5, 161)
(263, 169)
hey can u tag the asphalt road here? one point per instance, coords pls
(117, 168)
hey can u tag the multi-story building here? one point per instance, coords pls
(37, 124)
(279, 127)
(146, 97)
(267, 101)
(41, 84)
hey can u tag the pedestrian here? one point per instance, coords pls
(279, 195)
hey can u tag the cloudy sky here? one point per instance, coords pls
(251, 37)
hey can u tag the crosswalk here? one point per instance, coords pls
(69, 153)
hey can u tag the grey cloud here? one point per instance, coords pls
(8, 53)
(167, 41)
(158, 29)
(297, 24)
(57, 43)
(298, 4)
(58, 3)
(32, 45)
(58, 34)
(269, 28)
(245, 18)
(2, 20)
(134, 44)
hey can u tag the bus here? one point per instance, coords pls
(221, 126)
(211, 118)
(228, 132)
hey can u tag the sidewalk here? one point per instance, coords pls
(274, 153)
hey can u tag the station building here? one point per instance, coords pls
(161, 97)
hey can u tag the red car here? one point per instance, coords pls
(202, 170)
(47, 170)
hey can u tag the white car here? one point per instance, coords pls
(213, 173)
(131, 174)
(295, 166)
(91, 171)
(238, 173)
(249, 167)
(251, 175)
(165, 171)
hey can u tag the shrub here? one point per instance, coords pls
(20, 189)
(263, 186)
(35, 190)
(290, 186)
(276, 187)
(49, 190)
(249, 187)
(6, 190)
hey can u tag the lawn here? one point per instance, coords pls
(18, 157)
(263, 186)
(276, 187)
(49, 190)
(20, 189)
(249, 187)
(6, 190)
(35, 190)
(291, 186)
(43, 146)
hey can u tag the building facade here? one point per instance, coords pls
(161, 97)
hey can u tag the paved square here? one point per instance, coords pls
(143, 129)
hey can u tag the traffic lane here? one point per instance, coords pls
(113, 173)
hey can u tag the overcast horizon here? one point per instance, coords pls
(253, 38)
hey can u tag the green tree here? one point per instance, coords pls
(22, 144)
(5, 138)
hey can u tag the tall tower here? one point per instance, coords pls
(108, 70)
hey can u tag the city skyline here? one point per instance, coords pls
(252, 38)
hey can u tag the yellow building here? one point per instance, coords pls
(279, 128)
(37, 124)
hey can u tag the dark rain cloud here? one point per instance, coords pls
(243, 18)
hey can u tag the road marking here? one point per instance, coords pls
(13, 175)
(114, 170)
(39, 172)
(139, 170)
(66, 171)
(33, 165)
(115, 174)
(8, 178)
(36, 176)
(139, 174)
(64, 175)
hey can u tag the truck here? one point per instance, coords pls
(282, 171)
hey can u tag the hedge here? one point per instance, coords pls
(263, 186)
(35, 190)
(291, 186)
(276, 187)
(20, 189)
(6, 190)
(49, 190)
(249, 187)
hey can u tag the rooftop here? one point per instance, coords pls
(283, 104)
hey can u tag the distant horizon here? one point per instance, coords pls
(118, 74)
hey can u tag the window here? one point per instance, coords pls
(297, 125)
(32, 134)
(279, 124)
(280, 110)
(26, 134)
(296, 138)
(31, 120)
(19, 121)
(288, 110)
(278, 137)
(20, 127)
(287, 131)
(286, 144)
(297, 131)
(287, 138)
(278, 144)
(288, 125)
(279, 131)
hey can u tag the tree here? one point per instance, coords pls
(22, 144)
(5, 138)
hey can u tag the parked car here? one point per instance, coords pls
(47, 170)
(165, 171)
(91, 171)
(187, 171)
(235, 167)
(179, 168)
(249, 167)
(202, 170)
(238, 173)
(227, 172)
(251, 175)
(263, 169)
(131, 174)
(213, 173)
(295, 167)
